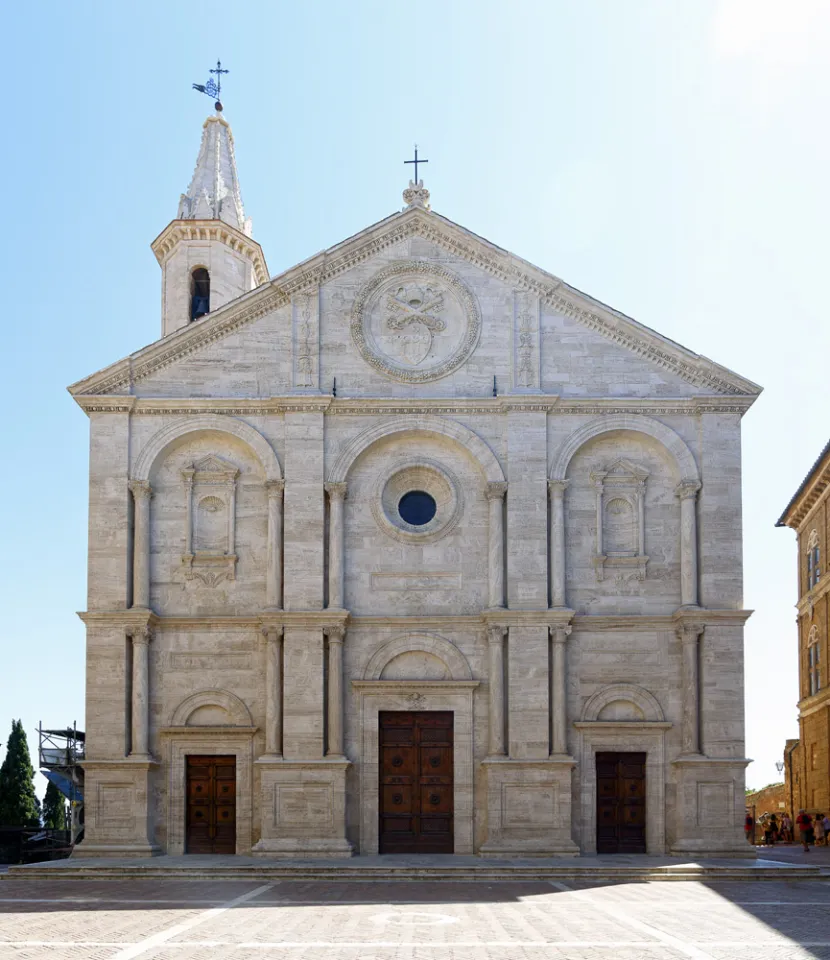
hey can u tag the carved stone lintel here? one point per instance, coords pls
(337, 491)
(495, 491)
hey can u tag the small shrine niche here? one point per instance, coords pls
(210, 521)
(620, 526)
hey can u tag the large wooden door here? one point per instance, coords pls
(416, 788)
(621, 803)
(211, 805)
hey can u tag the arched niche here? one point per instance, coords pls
(622, 698)
(684, 460)
(214, 708)
(440, 426)
(187, 426)
(436, 649)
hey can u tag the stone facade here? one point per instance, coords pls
(807, 761)
(255, 590)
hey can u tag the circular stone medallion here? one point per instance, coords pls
(415, 321)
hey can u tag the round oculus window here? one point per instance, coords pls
(417, 507)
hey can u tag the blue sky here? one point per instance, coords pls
(668, 158)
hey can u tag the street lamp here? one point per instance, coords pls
(779, 766)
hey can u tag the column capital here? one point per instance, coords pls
(272, 631)
(140, 635)
(496, 633)
(336, 632)
(560, 633)
(274, 488)
(556, 488)
(141, 489)
(336, 491)
(495, 491)
(687, 489)
(689, 631)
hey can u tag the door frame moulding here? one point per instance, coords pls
(625, 736)
(375, 696)
(208, 742)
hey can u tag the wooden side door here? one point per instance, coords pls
(416, 782)
(621, 802)
(211, 805)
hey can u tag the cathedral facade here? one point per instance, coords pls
(413, 548)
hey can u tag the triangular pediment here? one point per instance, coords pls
(624, 332)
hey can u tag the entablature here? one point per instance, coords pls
(375, 406)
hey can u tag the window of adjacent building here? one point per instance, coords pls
(813, 661)
(813, 560)
(199, 293)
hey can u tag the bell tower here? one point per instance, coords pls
(207, 254)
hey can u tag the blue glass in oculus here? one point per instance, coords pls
(417, 508)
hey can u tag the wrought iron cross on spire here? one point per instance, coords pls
(416, 161)
(213, 88)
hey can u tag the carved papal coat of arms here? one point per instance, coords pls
(413, 310)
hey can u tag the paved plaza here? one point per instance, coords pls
(289, 920)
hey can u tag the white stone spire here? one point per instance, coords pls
(207, 254)
(213, 193)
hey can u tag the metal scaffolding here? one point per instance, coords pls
(60, 754)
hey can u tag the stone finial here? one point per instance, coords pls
(416, 195)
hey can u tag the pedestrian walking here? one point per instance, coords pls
(821, 836)
(786, 828)
(826, 823)
(749, 828)
(805, 826)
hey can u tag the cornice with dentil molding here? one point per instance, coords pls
(375, 406)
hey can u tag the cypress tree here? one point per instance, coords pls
(19, 806)
(54, 808)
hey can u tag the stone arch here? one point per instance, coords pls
(159, 442)
(429, 643)
(476, 447)
(683, 457)
(645, 702)
(229, 702)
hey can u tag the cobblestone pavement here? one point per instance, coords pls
(291, 920)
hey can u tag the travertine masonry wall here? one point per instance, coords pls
(459, 615)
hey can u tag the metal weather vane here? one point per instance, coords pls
(213, 88)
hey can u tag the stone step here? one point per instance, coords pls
(483, 873)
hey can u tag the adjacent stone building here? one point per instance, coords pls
(411, 548)
(807, 760)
